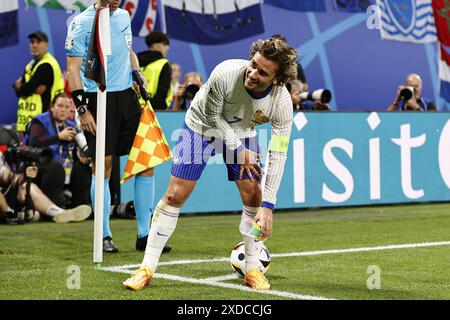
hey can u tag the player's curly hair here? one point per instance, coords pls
(278, 51)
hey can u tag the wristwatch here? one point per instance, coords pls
(81, 110)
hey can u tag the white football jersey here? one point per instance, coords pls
(222, 104)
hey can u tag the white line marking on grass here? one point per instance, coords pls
(230, 276)
(117, 269)
(388, 247)
(169, 263)
(306, 253)
(176, 262)
(242, 288)
(215, 283)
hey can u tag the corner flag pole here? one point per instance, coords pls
(105, 45)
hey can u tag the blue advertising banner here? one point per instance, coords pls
(336, 159)
(9, 23)
(222, 23)
(352, 5)
(304, 5)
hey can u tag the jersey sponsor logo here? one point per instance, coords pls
(162, 234)
(259, 117)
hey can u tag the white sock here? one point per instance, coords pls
(251, 246)
(54, 210)
(163, 225)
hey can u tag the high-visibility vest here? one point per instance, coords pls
(151, 72)
(31, 106)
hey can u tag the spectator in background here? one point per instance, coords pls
(69, 169)
(186, 91)
(13, 198)
(157, 70)
(40, 82)
(300, 72)
(413, 101)
(176, 75)
(295, 88)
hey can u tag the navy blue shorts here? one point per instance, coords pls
(123, 113)
(192, 152)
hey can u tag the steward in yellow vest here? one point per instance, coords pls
(157, 70)
(40, 83)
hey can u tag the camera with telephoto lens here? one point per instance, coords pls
(124, 210)
(23, 156)
(80, 139)
(407, 93)
(324, 95)
(190, 91)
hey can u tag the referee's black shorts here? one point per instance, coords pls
(123, 113)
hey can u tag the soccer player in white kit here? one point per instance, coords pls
(238, 95)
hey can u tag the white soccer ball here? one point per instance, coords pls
(237, 259)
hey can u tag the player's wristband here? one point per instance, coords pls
(79, 98)
(267, 205)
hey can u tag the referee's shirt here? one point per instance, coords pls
(119, 65)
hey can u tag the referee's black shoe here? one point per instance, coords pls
(109, 246)
(141, 244)
(166, 249)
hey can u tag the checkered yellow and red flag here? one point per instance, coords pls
(150, 147)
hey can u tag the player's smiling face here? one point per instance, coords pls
(113, 4)
(260, 74)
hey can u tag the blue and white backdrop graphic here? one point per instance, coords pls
(407, 20)
(335, 159)
(213, 22)
(143, 16)
(9, 34)
(340, 51)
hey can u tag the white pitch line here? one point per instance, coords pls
(176, 262)
(211, 282)
(242, 288)
(307, 253)
(230, 276)
(167, 263)
(215, 281)
(388, 247)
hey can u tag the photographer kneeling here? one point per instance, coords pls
(409, 96)
(69, 169)
(15, 198)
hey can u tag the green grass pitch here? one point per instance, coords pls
(40, 260)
